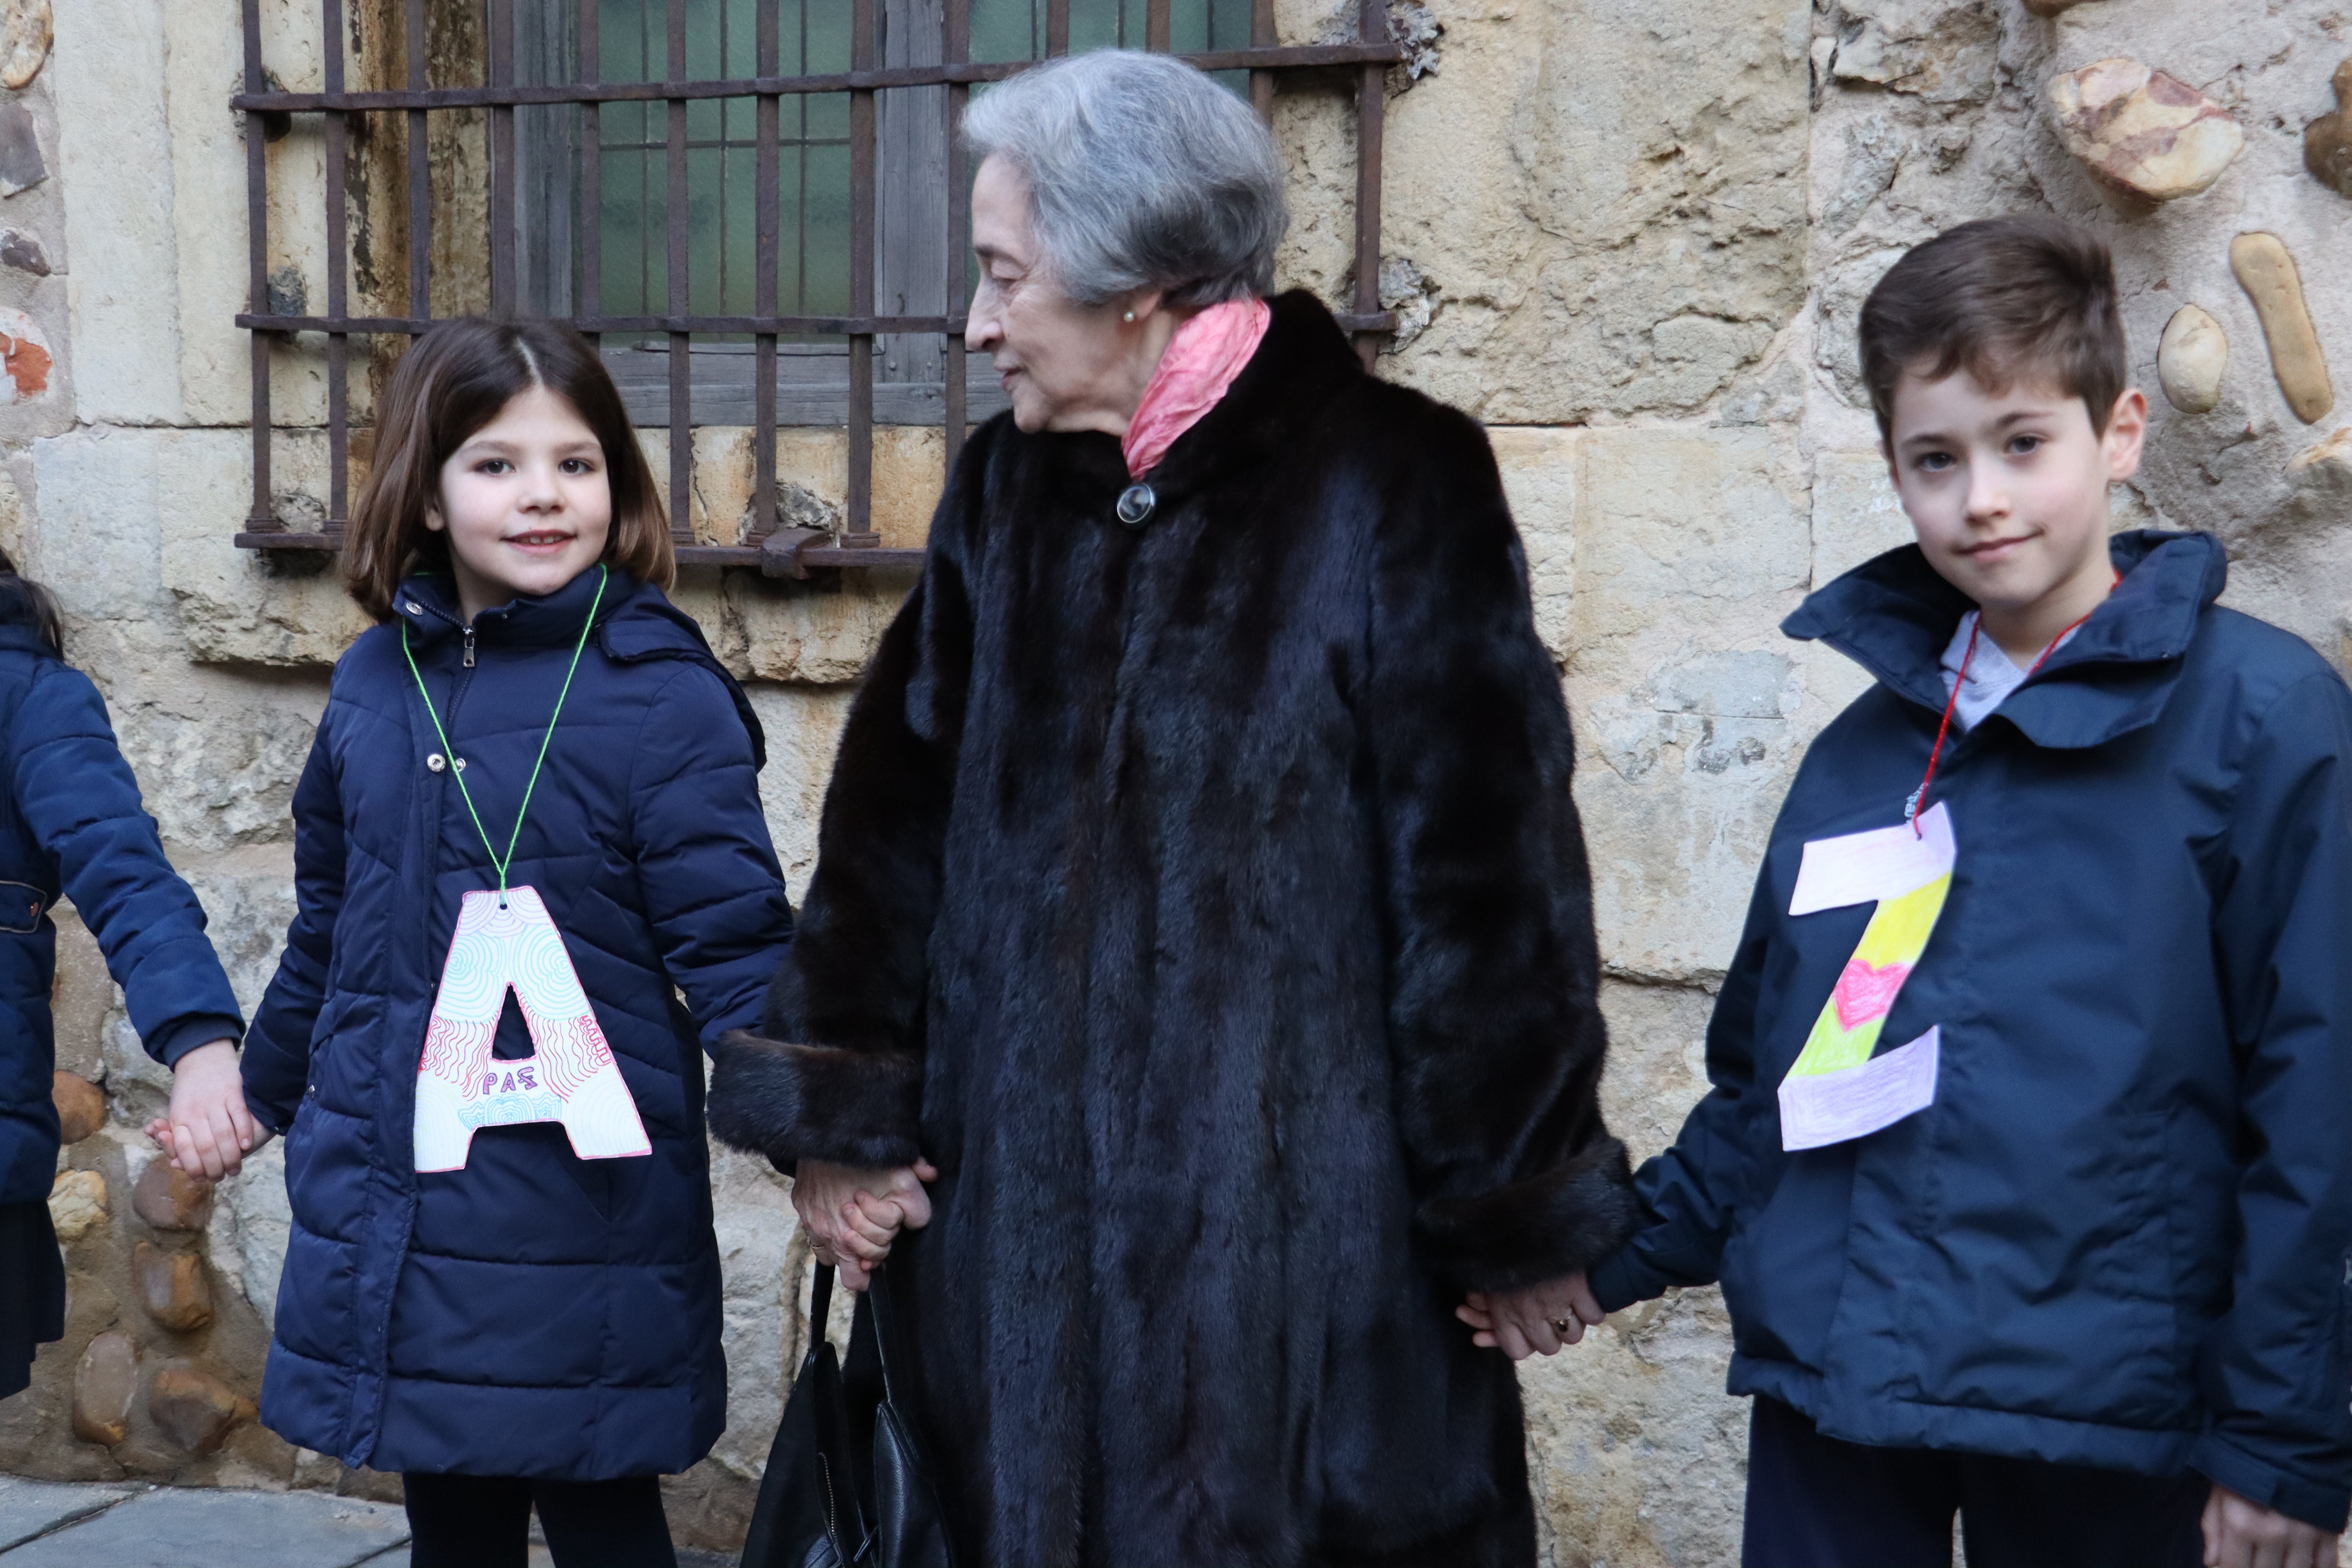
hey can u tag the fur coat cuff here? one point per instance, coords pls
(794, 1102)
(1559, 1222)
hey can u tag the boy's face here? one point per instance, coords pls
(2008, 491)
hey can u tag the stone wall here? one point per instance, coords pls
(1631, 235)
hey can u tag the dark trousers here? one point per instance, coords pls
(1817, 1502)
(484, 1522)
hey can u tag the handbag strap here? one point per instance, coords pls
(820, 1302)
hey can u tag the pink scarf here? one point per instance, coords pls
(1202, 359)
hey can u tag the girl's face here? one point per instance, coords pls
(525, 501)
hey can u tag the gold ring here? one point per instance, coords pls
(1562, 1326)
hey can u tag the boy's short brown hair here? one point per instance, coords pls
(2027, 296)
(454, 381)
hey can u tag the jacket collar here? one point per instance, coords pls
(429, 604)
(1302, 360)
(1894, 617)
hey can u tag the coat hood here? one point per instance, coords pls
(1894, 617)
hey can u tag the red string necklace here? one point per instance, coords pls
(1919, 796)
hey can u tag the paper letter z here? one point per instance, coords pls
(1837, 1090)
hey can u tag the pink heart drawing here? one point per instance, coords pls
(1864, 993)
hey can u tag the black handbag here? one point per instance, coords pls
(846, 1485)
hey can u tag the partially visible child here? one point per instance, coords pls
(530, 825)
(2078, 1266)
(72, 825)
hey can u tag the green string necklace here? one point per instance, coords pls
(502, 862)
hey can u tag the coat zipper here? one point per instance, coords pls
(469, 645)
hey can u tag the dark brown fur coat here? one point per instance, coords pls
(1207, 900)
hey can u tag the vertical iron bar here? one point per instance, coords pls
(767, 175)
(591, 224)
(957, 17)
(1371, 105)
(1262, 37)
(502, 162)
(263, 517)
(338, 395)
(1057, 27)
(862, 52)
(420, 175)
(1155, 25)
(674, 208)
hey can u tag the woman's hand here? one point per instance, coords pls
(1536, 1321)
(853, 1214)
(2241, 1534)
(209, 1131)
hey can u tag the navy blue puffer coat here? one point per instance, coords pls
(531, 1313)
(70, 822)
(2122, 1234)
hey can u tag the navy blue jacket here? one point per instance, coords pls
(2122, 1234)
(533, 1313)
(71, 823)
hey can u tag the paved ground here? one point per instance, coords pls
(44, 1524)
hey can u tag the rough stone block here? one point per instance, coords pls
(114, 154)
(1632, 243)
(1538, 465)
(2144, 132)
(168, 1198)
(172, 1287)
(77, 1204)
(81, 1105)
(2267, 272)
(106, 1383)
(195, 1410)
(1941, 50)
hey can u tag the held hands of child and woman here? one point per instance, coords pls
(208, 1131)
(1536, 1321)
(854, 1214)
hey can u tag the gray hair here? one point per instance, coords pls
(1142, 174)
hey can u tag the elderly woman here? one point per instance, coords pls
(1201, 939)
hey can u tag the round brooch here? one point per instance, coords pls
(1135, 504)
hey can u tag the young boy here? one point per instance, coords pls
(2027, 1172)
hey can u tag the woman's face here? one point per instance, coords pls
(525, 501)
(1066, 366)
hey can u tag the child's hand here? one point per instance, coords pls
(1536, 1321)
(853, 1216)
(2241, 1534)
(209, 1131)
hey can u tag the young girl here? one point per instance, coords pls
(70, 822)
(531, 781)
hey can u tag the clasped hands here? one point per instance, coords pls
(1536, 1321)
(852, 1214)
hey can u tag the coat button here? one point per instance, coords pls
(437, 761)
(1136, 505)
(461, 764)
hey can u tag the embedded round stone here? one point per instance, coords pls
(172, 1287)
(77, 1204)
(25, 28)
(169, 1199)
(193, 1409)
(1136, 504)
(2143, 132)
(2192, 359)
(81, 1105)
(105, 1382)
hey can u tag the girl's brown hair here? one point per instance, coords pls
(452, 382)
(22, 599)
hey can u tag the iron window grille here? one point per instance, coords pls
(535, 268)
